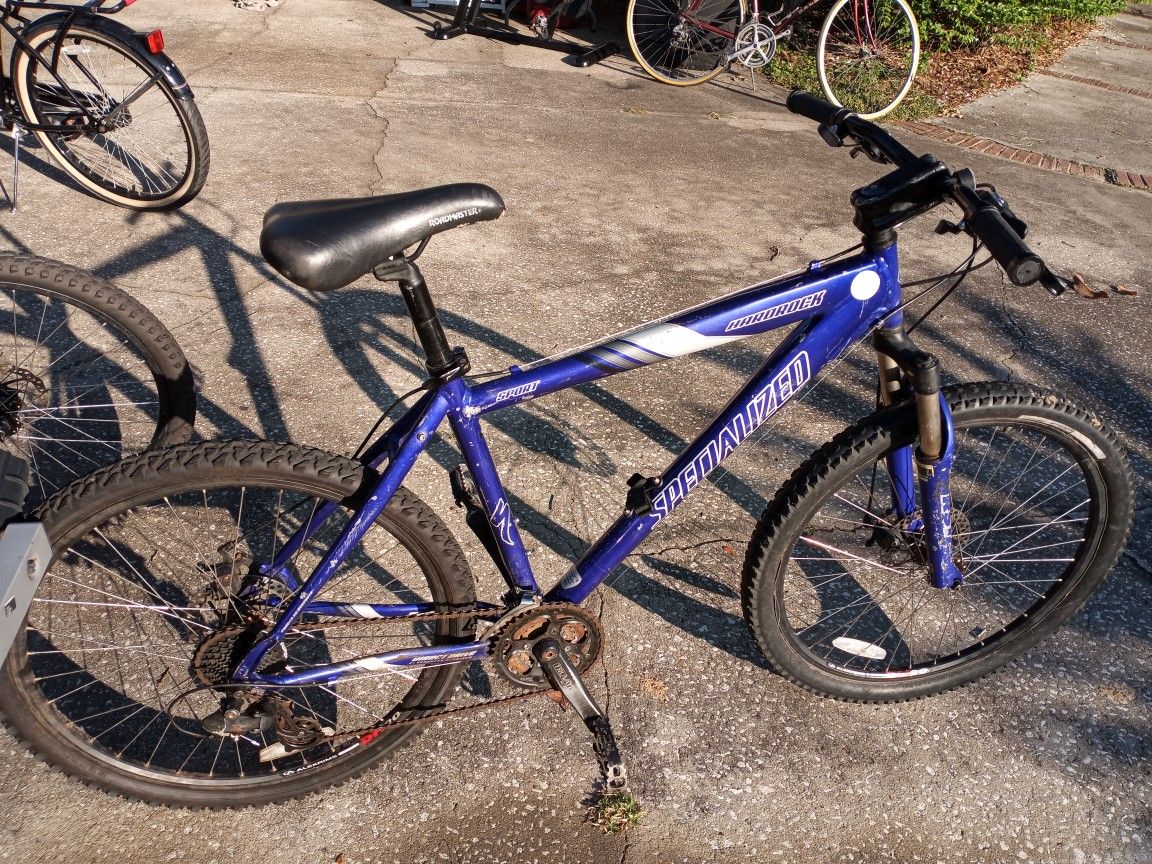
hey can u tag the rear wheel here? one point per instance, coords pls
(683, 42)
(87, 374)
(868, 54)
(125, 134)
(129, 640)
(836, 588)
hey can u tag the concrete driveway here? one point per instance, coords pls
(626, 200)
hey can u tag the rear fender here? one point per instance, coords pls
(161, 63)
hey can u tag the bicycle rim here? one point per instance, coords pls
(146, 155)
(112, 661)
(683, 42)
(868, 54)
(1029, 509)
(77, 390)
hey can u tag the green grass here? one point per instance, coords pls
(616, 813)
(797, 68)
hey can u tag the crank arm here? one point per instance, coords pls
(564, 677)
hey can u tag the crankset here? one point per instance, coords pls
(755, 45)
(540, 648)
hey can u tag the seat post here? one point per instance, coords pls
(440, 358)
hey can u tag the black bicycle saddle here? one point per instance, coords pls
(325, 245)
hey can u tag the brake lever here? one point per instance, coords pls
(871, 152)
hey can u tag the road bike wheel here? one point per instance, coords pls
(683, 42)
(153, 155)
(867, 55)
(87, 374)
(107, 680)
(835, 590)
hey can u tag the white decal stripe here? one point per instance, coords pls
(615, 360)
(364, 610)
(374, 664)
(635, 351)
(673, 340)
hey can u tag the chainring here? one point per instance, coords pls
(574, 628)
(755, 45)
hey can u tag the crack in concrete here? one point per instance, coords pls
(689, 548)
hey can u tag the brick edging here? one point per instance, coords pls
(1095, 82)
(1127, 179)
(1122, 43)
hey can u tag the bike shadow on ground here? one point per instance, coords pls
(30, 159)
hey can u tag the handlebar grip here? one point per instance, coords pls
(814, 108)
(1022, 265)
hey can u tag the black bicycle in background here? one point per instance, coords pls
(107, 103)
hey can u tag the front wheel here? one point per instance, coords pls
(683, 42)
(130, 639)
(867, 55)
(836, 589)
(126, 136)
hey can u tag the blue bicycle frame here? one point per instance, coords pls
(834, 306)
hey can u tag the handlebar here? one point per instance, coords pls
(984, 213)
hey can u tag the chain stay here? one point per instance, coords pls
(387, 725)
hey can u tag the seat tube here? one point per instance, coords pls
(491, 492)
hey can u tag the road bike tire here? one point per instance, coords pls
(107, 692)
(835, 592)
(676, 52)
(867, 55)
(157, 158)
(87, 374)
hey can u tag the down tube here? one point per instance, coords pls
(789, 368)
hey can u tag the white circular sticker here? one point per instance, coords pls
(865, 284)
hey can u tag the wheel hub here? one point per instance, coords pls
(16, 386)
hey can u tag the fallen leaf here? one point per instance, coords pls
(728, 550)
(1086, 290)
(1125, 290)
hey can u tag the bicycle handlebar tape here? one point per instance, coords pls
(1022, 265)
(814, 108)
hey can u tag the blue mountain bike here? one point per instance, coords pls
(232, 623)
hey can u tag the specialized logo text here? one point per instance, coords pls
(759, 408)
(798, 305)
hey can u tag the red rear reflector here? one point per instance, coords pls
(129, 2)
(155, 41)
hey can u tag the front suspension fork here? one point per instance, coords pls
(927, 468)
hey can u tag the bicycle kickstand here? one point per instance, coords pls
(17, 136)
(564, 677)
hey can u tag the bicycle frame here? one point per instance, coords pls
(834, 305)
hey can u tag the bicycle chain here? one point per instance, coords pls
(374, 731)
